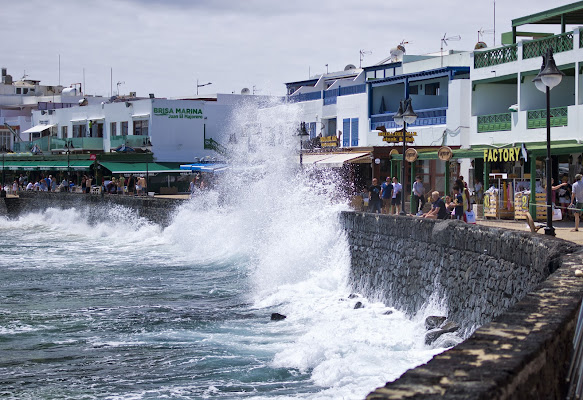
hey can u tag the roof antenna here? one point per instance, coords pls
(444, 41)
(362, 54)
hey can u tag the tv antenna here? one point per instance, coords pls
(482, 32)
(362, 54)
(119, 83)
(444, 41)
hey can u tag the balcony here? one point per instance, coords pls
(87, 143)
(136, 141)
(538, 118)
(495, 122)
(330, 97)
(427, 117)
(530, 49)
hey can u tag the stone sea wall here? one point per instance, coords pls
(490, 277)
(477, 271)
(159, 210)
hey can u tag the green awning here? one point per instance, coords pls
(141, 168)
(77, 165)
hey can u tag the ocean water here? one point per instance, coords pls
(116, 307)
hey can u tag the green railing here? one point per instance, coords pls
(130, 141)
(496, 56)
(538, 118)
(494, 122)
(211, 144)
(538, 47)
(86, 143)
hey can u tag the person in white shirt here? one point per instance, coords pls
(577, 199)
(396, 200)
(419, 194)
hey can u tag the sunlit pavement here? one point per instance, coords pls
(562, 228)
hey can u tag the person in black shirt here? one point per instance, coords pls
(438, 210)
(458, 203)
(374, 199)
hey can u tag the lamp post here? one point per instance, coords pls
(68, 146)
(302, 133)
(548, 77)
(2, 190)
(402, 118)
(201, 85)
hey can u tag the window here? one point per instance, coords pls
(414, 89)
(18, 91)
(141, 127)
(312, 130)
(354, 132)
(64, 132)
(432, 89)
(113, 129)
(4, 140)
(346, 132)
(124, 128)
(79, 130)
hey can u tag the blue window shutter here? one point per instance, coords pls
(312, 130)
(354, 132)
(346, 132)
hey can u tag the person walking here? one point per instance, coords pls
(374, 199)
(418, 194)
(396, 199)
(577, 198)
(386, 195)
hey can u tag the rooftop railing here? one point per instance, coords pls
(538, 47)
(495, 122)
(497, 56)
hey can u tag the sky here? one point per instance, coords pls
(165, 46)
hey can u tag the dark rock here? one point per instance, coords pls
(277, 317)
(389, 312)
(358, 305)
(434, 321)
(448, 327)
(352, 296)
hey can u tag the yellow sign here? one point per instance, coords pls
(444, 153)
(394, 152)
(398, 140)
(495, 155)
(329, 141)
(411, 155)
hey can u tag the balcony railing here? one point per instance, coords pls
(433, 116)
(130, 141)
(86, 143)
(305, 97)
(494, 122)
(538, 47)
(348, 90)
(538, 118)
(497, 56)
(330, 96)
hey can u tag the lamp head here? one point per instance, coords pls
(398, 117)
(409, 115)
(551, 75)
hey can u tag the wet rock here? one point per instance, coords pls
(358, 305)
(277, 317)
(352, 296)
(448, 327)
(434, 321)
(388, 312)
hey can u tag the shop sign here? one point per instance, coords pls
(411, 155)
(397, 136)
(444, 153)
(495, 155)
(93, 157)
(329, 141)
(394, 152)
(188, 113)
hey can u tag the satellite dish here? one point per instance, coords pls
(397, 53)
(349, 67)
(245, 91)
(480, 45)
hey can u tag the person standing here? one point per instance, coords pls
(577, 198)
(374, 199)
(396, 199)
(478, 191)
(458, 202)
(565, 195)
(418, 194)
(131, 185)
(386, 195)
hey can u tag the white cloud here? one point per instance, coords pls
(164, 46)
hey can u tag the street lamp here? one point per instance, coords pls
(201, 85)
(302, 133)
(548, 77)
(68, 146)
(402, 118)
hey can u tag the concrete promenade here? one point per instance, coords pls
(562, 228)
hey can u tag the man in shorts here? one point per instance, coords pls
(577, 199)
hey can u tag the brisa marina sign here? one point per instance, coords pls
(188, 113)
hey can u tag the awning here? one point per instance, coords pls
(338, 160)
(38, 128)
(78, 120)
(204, 167)
(141, 168)
(137, 116)
(314, 158)
(60, 165)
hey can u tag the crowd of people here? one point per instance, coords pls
(132, 185)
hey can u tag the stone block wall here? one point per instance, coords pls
(478, 271)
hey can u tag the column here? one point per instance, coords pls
(532, 202)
